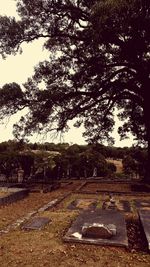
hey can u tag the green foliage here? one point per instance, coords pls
(8, 163)
(68, 161)
(77, 163)
(111, 167)
(129, 165)
(26, 162)
(134, 161)
(11, 97)
(104, 60)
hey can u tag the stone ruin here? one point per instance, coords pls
(97, 230)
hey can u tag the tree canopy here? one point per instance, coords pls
(99, 60)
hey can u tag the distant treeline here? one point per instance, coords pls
(54, 161)
(106, 151)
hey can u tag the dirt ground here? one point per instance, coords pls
(93, 187)
(46, 247)
(3, 194)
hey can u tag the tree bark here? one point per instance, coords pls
(147, 128)
(147, 171)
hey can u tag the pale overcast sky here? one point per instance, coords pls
(18, 68)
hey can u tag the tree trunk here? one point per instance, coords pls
(147, 128)
(147, 172)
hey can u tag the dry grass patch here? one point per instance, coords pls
(46, 248)
(118, 164)
(14, 211)
(4, 194)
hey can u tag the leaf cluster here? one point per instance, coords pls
(99, 60)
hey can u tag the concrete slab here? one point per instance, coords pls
(12, 195)
(99, 216)
(124, 205)
(83, 204)
(120, 205)
(142, 204)
(36, 224)
(145, 220)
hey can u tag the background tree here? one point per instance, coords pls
(130, 166)
(26, 162)
(99, 60)
(8, 164)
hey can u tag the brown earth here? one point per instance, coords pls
(46, 247)
(4, 194)
(93, 187)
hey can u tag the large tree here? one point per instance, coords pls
(99, 60)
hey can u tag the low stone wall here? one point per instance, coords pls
(14, 194)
